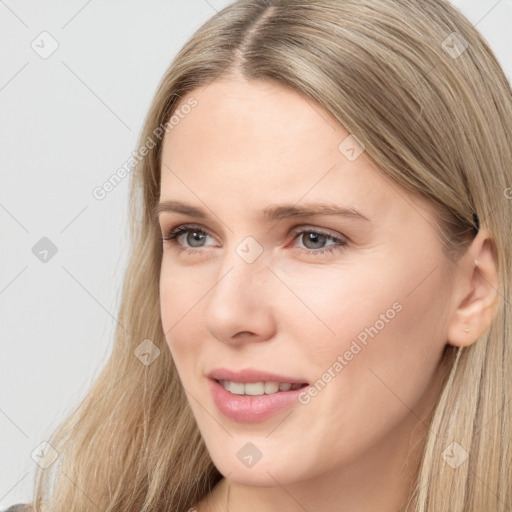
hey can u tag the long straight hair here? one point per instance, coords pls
(418, 85)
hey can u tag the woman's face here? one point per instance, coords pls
(355, 305)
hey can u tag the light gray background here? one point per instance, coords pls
(67, 123)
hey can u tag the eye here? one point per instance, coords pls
(195, 236)
(313, 239)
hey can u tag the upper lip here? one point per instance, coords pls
(252, 375)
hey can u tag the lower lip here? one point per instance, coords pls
(251, 409)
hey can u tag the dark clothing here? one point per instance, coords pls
(19, 507)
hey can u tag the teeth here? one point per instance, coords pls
(257, 388)
(271, 387)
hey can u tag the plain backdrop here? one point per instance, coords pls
(76, 80)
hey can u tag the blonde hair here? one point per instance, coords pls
(436, 117)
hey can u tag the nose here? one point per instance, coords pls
(239, 307)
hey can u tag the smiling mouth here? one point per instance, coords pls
(258, 388)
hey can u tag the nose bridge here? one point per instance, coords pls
(238, 300)
(242, 270)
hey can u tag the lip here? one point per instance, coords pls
(253, 375)
(251, 409)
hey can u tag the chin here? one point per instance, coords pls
(266, 472)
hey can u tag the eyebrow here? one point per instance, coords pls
(270, 213)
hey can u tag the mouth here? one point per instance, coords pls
(253, 402)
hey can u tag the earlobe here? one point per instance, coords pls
(478, 282)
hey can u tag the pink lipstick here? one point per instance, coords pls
(251, 396)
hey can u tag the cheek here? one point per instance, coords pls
(337, 305)
(382, 320)
(181, 287)
(180, 295)
(380, 367)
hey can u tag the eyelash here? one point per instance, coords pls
(186, 228)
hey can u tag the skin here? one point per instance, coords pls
(355, 446)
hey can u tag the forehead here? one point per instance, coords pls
(259, 125)
(257, 142)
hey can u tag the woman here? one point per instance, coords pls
(316, 313)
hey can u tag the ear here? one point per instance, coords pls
(476, 292)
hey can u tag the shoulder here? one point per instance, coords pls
(20, 507)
